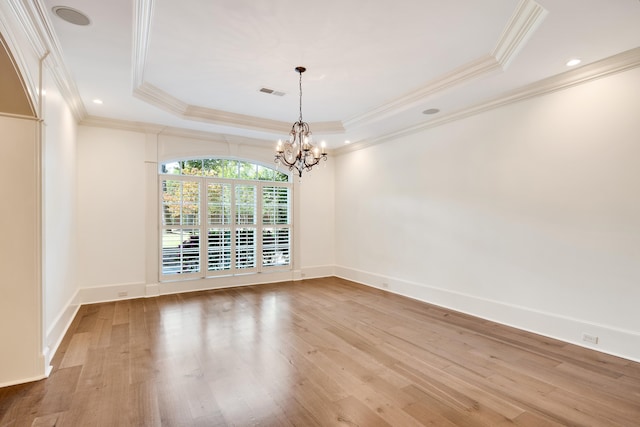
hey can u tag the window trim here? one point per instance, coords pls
(233, 226)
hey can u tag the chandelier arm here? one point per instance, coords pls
(299, 152)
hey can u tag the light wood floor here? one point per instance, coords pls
(324, 352)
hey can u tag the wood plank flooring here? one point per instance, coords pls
(323, 352)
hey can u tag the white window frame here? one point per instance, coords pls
(259, 225)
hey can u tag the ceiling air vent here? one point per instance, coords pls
(271, 91)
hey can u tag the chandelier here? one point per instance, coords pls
(298, 151)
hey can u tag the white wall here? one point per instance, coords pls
(118, 213)
(59, 190)
(21, 357)
(111, 207)
(316, 218)
(528, 214)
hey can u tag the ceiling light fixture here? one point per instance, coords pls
(97, 101)
(298, 151)
(573, 62)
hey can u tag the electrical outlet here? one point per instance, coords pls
(590, 338)
(123, 294)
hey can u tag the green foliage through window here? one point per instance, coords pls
(223, 168)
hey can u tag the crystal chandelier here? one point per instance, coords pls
(298, 151)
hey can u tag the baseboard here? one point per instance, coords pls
(611, 340)
(115, 292)
(59, 327)
(123, 291)
(317, 271)
(23, 381)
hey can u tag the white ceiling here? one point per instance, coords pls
(373, 66)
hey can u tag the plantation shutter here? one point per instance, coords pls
(180, 198)
(276, 230)
(222, 217)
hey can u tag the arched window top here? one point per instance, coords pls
(223, 168)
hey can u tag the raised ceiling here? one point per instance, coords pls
(373, 67)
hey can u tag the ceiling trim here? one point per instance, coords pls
(143, 13)
(525, 20)
(618, 63)
(523, 23)
(466, 73)
(153, 129)
(153, 95)
(161, 99)
(244, 121)
(104, 122)
(33, 20)
(615, 64)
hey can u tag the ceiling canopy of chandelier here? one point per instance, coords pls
(298, 152)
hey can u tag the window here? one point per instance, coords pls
(223, 217)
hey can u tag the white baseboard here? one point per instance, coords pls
(24, 380)
(611, 340)
(115, 292)
(317, 271)
(122, 291)
(152, 290)
(59, 327)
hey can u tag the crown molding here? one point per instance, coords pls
(244, 121)
(153, 95)
(615, 64)
(108, 123)
(161, 99)
(254, 123)
(143, 13)
(32, 17)
(467, 72)
(522, 24)
(149, 128)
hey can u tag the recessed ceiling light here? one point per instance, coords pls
(431, 111)
(97, 101)
(573, 62)
(347, 142)
(72, 16)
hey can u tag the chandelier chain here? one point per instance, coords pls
(300, 103)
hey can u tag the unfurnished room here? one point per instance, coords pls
(320, 213)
